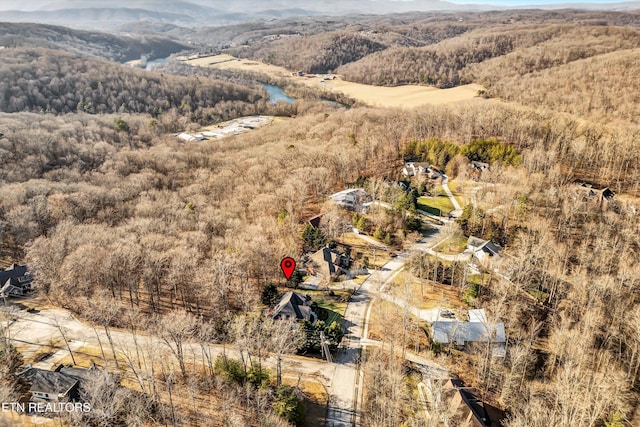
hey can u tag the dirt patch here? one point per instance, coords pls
(426, 294)
(389, 324)
(316, 400)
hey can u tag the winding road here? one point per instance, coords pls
(343, 378)
(347, 383)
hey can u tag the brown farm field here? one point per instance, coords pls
(379, 96)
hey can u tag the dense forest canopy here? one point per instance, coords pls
(51, 81)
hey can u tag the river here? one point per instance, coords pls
(276, 94)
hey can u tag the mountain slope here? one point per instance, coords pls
(42, 80)
(92, 43)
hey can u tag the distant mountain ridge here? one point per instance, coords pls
(91, 43)
(88, 14)
(85, 14)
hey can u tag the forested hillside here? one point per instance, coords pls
(518, 49)
(190, 242)
(597, 87)
(96, 44)
(316, 54)
(43, 80)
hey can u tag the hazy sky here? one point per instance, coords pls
(37, 4)
(526, 2)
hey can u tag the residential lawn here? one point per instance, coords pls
(456, 188)
(86, 356)
(478, 279)
(358, 280)
(439, 205)
(45, 351)
(336, 303)
(452, 245)
(333, 317)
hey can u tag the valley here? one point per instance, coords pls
(400, 96)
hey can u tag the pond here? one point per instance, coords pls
(276, 94)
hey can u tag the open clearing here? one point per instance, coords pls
(425, 294)
(402, 96)
(380, 96)
(228, 62)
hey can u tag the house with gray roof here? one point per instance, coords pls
(15, 281)
(351, 198)
(61, 385)
(294, 305)
(327, 263)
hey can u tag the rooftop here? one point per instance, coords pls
(462, 332)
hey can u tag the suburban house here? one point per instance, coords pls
(190, 138)
(420, 169)
(482, 249)
(15, 281)
(327, 263)
(61, 385)
(294, 305)
(462, 334)
(587, 192)
(351, 198)
(466, 408)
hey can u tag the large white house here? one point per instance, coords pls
(351, 198)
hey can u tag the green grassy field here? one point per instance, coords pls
(439, 205)
(452, 245)
(335, 304)
(455, 188)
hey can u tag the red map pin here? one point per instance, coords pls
(288, 266)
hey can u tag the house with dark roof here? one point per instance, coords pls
(482, 249)
(15, 281)
(587, 192)
(467, 408)
(315, 221)
(61, 385)
(481, 166)
(294, 305)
